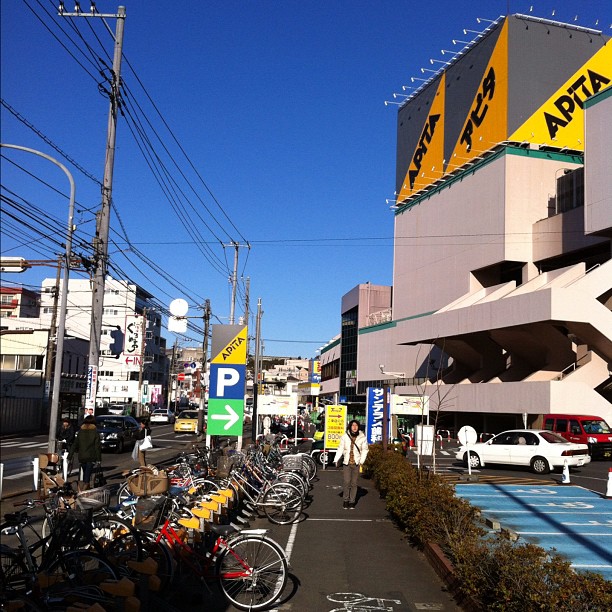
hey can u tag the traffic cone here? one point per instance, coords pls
(609, 489)
(566, 475)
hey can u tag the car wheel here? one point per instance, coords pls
(474, 460)
(539, 465)
(120, 446)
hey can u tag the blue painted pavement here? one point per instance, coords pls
(574, 521)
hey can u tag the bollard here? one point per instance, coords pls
(65, 465)
(565, 479)
(439, 438)
(1, 478)
(35, 464)
(609, 489)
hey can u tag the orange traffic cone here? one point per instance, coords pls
(609, 489)
(565, 479)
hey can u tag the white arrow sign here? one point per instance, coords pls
(231, 416)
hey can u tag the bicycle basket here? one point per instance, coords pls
(224, 465)
(148, 513)
(93, 498)
(293, 462)
(146, 483)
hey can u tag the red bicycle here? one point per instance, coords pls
(251, 567)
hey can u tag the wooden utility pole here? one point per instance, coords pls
(51, 346)
(256, 370)
(143, 332)
(204, 369)
(100, 242)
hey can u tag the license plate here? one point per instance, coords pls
(581, 462)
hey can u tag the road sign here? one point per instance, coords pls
(180, 376)
(226, 399)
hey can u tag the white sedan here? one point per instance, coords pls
(539, 449)
(161, 415)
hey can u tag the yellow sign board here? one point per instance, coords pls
(559, 121)
(486, 123)
(335, 425)
(235, 351)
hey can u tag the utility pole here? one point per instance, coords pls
(51, 344)
(255, 421)
(100, 242)
(143, 335)
(204, 369)
(234, 279)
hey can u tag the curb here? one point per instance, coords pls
(446, 571)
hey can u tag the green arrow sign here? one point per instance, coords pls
(225, 417)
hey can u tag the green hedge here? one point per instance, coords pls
(493, 572)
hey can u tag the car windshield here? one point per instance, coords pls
(159, 412)
(553, 438)
(104, 422)
(188, 414)
(596, 427)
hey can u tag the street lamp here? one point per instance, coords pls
(61, 328)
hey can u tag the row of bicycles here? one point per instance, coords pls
(134, 546)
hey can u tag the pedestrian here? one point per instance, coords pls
(353, 450)
(65, 434)
(138, 454)
(87, 447)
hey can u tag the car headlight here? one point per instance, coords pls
(592, 440)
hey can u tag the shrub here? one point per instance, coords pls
(497, 574)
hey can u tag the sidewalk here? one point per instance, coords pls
(356, 555)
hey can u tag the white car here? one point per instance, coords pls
(161, 415)
(539, 449)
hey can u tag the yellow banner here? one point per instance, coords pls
(487, 122)
(335, 425)
(234, 352)
(559, 122)
(427, 163)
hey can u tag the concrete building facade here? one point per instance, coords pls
(502, 280)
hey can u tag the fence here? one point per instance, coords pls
(20, 415)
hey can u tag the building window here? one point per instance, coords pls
(29, 362)
(6, 298)
(570, 190)
(9, 362)
(111, 311)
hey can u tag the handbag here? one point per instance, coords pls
(146, 443)
(99, 480)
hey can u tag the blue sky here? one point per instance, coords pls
(279, 108)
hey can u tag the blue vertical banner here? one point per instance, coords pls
(374, 414)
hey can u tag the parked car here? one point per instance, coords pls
(583, 429)
(117, 432)
(118, 409)
(161, 415)
(539, 449)
(186, 421)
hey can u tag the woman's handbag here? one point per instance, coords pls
(146, 443)
(99, 480)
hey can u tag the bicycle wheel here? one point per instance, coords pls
(166, 564)
(311, 466)
(252, 572)
(296, 479)
(14, 576)
(78, 568)
(283, 503)
(120, 541)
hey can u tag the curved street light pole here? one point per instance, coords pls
(61, 328)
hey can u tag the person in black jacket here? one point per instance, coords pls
(87, 447)
(65, 434)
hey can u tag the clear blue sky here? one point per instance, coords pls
(279, 106)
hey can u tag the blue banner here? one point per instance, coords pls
(374, 414)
